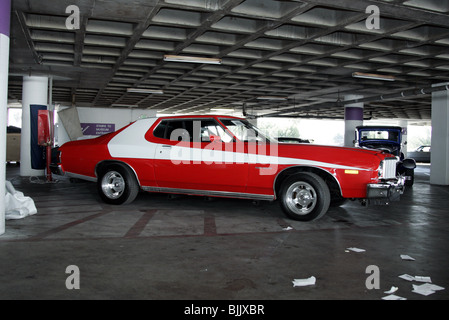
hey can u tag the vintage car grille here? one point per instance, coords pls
(388, 168)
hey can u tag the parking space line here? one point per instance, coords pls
(138, 227)
(66, 226)
(210, 227)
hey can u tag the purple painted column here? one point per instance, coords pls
(353, 118)
(5, 16)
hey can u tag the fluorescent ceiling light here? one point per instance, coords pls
(373, 76)
(124, 105)
(137, 90)
(223, 109)
(191, 59)
(272, 98)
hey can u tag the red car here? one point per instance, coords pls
(226, 156)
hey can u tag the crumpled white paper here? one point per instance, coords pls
(17, 205)
(393, 297)
(304, 282)
(426, 289)
(415, 278)
(407, 257)
(355, 249)
(392, 290)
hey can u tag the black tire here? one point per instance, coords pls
(338, 202)
(304, 197)
(117, 184)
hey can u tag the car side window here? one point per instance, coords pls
(210, 127)
(244, 131)
(196, 130)
(177, 130)
(159, 132)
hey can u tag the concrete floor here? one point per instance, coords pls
(190, 248)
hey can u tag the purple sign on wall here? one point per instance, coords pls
(97, 129)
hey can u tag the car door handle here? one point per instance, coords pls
(166, 146)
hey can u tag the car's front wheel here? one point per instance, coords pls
(117, 184)
(304, 197)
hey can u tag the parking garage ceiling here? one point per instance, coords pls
(302, 52)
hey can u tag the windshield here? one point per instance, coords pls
(245, 131)
(379, 135)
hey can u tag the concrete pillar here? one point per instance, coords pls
(353, 118)
(34, 91)
(5, 15)
(439, 168)
(404, 125)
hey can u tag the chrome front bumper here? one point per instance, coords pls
(386, 192)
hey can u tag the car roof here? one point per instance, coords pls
(380, 127)
(195, 117)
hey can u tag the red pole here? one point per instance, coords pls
(48, 147)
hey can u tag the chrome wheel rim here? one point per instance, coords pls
(301, 198)
(113, 185)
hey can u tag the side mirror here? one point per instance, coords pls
(214, 138)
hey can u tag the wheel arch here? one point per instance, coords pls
(329, 178)
(103, 164)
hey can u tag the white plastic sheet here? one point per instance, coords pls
(17, 205)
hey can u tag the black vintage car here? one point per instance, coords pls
(387, 139)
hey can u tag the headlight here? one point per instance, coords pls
(381, 169)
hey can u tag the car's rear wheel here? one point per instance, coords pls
(117, 184)
(304, 197)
